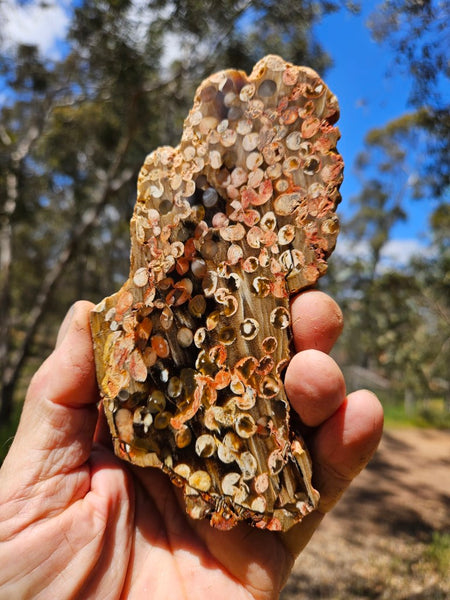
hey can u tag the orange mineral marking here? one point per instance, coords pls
(190, 352)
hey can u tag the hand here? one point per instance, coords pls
(76, 522)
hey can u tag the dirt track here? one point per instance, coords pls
(374, 544)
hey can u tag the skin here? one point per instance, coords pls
(76, 522)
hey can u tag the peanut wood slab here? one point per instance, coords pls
(191, 351)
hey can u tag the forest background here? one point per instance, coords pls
(77, 118)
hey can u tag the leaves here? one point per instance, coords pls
(418, 34)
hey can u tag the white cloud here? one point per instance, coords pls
(140, 16)
(45, 24)
(38, 23)
(399, 252)
(396, 253)
(173, 49)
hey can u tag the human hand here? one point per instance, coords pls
(76, 522)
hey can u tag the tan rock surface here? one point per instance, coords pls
(190, 352)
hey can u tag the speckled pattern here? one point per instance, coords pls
(190, 352)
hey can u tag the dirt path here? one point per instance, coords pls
(378, 543)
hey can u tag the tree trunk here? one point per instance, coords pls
(409, 402)
(112, 181)
(17, 158)
(5, 296)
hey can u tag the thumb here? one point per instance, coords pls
(59, 415)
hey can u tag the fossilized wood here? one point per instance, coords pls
(190, 352)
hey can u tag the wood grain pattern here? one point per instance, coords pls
(190, 352)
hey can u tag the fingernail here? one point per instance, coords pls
(64, 326)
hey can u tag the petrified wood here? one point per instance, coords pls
(190, 352)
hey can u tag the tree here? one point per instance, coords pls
(417, 31)
(418, 34)
(398, 315)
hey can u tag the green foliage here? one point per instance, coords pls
(418, 34)
(438, 551)
(425, 414)
(398, 321)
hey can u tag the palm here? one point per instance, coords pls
(159, 552)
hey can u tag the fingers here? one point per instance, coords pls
(316, 321)
(340, 449)
(348, 429)
(344, 444)
(315, 386)
(59, 415)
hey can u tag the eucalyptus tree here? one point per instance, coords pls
(398, 315)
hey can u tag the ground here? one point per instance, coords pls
(389, 538)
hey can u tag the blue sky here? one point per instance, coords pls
(371, 91)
